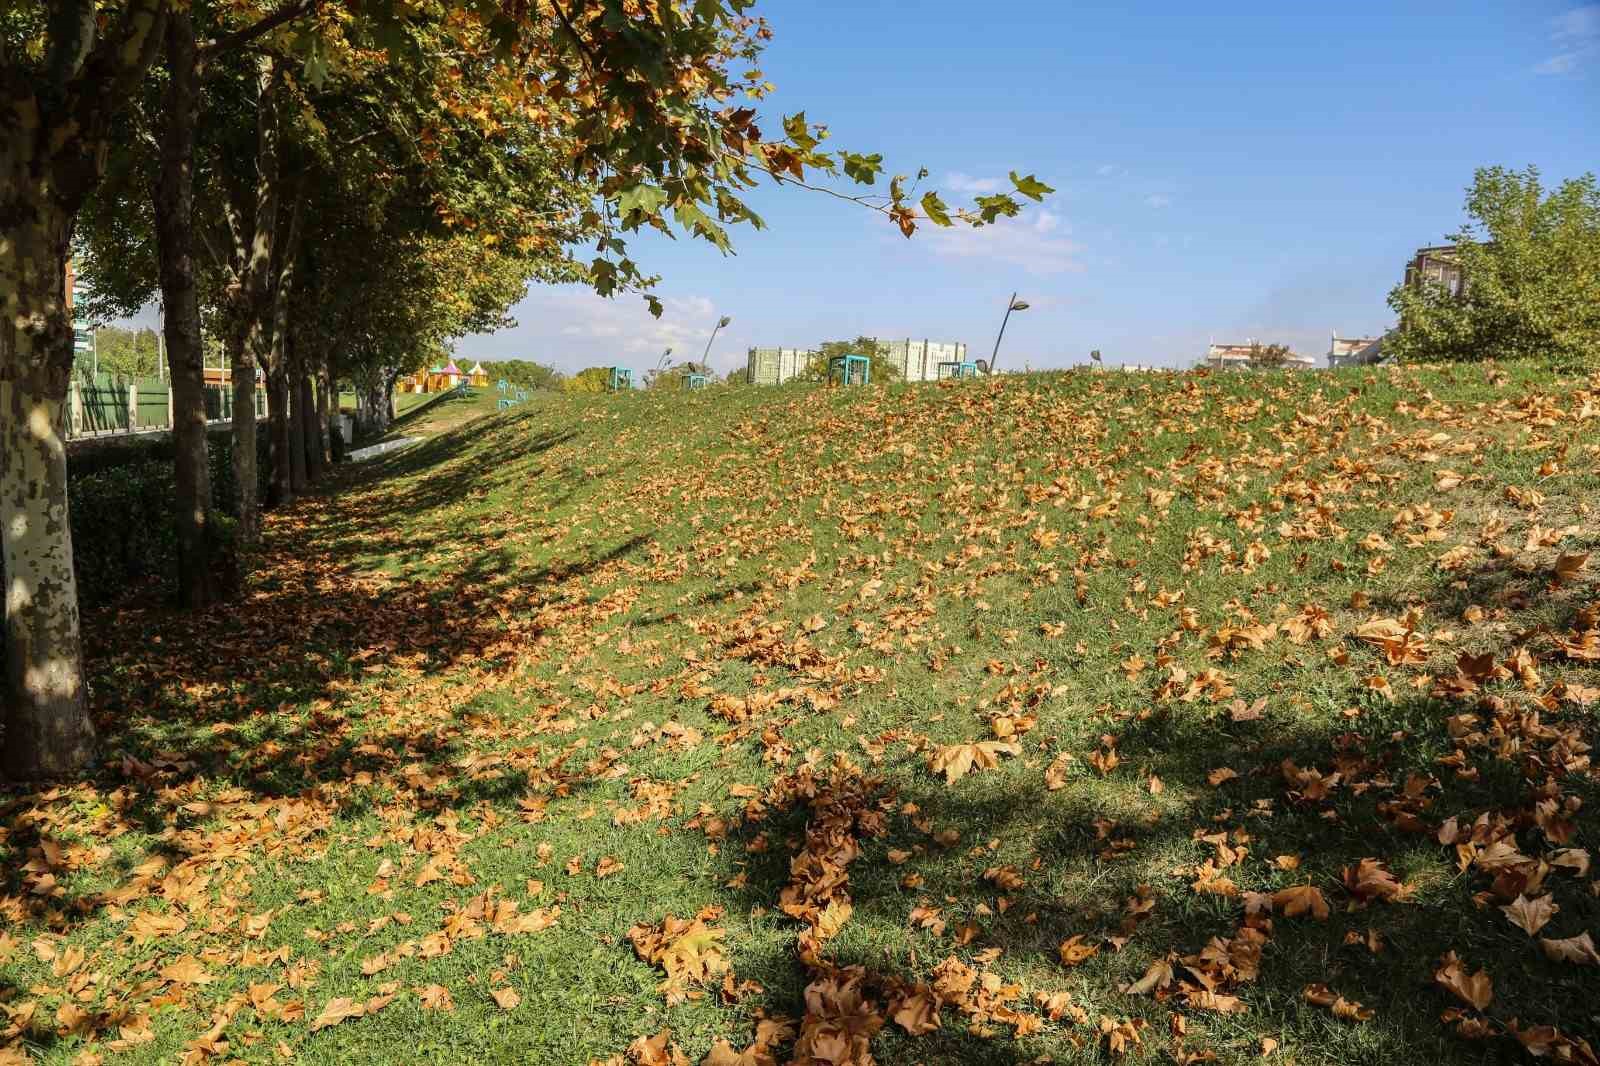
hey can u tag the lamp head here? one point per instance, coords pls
(1019, 305)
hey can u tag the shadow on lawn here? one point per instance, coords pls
(264, 694)
(1079, 888)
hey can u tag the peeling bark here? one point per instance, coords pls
(47, 726)
(53, 128)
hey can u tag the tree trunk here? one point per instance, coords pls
(280, 490)
(327, 408)
(310, 436)
(53, 132)
(375, 403)
(47, 726)
(298, 389)
(253, 348)
(174, 212)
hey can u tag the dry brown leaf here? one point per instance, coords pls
(1475, 991)
(1301, 899)
(1530, 915)
(1575, 949)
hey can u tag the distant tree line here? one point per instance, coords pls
(523, 373)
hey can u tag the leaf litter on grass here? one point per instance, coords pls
(1143, 718)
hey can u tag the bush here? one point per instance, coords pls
(122, 500)
(122, 529)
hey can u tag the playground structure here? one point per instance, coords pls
(850, 369)
(957, 369)
(619, 378)
(695, 381)
(510, 396)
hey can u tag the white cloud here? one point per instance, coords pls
(1579, 24)
(957, 182)
(571, 328)
(1158, 201)
(1034, 240)
(1105, 170)
(1577, 34)
(1564, 63)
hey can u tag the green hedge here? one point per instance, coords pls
(122, 503)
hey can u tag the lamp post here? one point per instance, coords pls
(1013, 304)
(705, 365)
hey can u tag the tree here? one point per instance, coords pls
(1268, 356)
(1530, 266)
(593, 379)
(882, 369)
(64, 70)
(127, 352)
(523, 373)
(646, 114)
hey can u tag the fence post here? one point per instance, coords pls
(75, 409)
(169, 406)
(133, 406)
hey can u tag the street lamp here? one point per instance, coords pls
(705, 364)
(1013, 305)
(663, 360)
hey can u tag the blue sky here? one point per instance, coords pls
(1263, 171)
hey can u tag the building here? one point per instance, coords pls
(478, 377)
(1238, 357)
(1354, 351)
(1438, 265)
(774, 366)
(917, 360)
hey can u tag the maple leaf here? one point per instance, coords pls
(1475, 991)
(341, 1009)
(956, 760)
(1157, 975)
(1569, 565)
(1073, 951)
(1301, 899)
(1369, 880)
(435, 997)
(186, 970)
(1530, 915)
(1343, 1009)
(917, 1010)
(658, 1050)
(1576, 949)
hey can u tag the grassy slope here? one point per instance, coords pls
(455, 670)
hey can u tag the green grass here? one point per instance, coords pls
(463, 654)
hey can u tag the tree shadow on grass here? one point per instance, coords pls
(1082, 855)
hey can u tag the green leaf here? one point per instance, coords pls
(647, 199)
(1030, 186)
(992, 207)
(655, 304)
(935, 209)
(862, 169)
(798, 132)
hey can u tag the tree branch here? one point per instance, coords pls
(588, 56)
(782, 178)
(240, 37)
